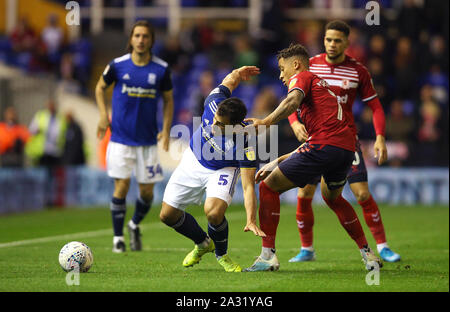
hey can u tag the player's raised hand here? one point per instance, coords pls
(165, 140)
(255, 229)
(247, 72)
(265, 170)
(380, 149)
(102, 126)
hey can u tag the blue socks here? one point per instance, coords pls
(142, 208)
(219, 234)
(188, 226)
(118, 210)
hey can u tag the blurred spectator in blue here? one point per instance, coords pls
(74, 148)
(439, 83)
(53, 38)
(13, 137)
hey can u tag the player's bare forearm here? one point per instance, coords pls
(248, 188)
(244, 73)
(100, 97)
(286, 107)
(380, 149)
(167, 111)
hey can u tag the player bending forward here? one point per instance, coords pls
(328, 152)
(206, 166)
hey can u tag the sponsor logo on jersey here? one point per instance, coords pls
(138, 91)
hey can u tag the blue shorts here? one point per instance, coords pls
(312, 161)
(357, 171)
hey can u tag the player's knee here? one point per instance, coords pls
(306, 192)
(167, 217)
(362, 195)
(214, 217)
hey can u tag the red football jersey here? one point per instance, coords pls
(321, 113)
(346, 80)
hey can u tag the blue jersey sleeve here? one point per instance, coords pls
(109, 74)
(215, 97)
(166, 81)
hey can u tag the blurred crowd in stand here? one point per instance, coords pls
(407, 57)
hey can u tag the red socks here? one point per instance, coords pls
(373, 220)
(305, 221)
(349, 220)
(269, 214)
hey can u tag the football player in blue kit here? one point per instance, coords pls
(140, 79)
(212, 165)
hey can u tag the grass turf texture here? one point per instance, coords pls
(419, 233)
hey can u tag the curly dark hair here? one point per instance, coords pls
(295, 49)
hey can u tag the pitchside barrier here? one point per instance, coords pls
(36, 188)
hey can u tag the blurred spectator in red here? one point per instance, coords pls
(202, 35)
(53, 36)
(310, 35)
(13, 137)
(74, 148)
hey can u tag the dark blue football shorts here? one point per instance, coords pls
(311, 161)
(357, 171)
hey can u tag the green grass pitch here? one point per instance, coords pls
(30, 243)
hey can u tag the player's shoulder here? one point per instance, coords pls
(355, 64)
(159, 61)
(122, 58)
(317, 59)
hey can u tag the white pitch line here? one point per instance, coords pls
(104, 232)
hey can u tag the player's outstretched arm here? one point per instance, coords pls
(100, 91)
(244, 73)
(250, 203)
(286, 108)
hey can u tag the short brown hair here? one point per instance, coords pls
(295, 50)
(339, 26)
(142, 23)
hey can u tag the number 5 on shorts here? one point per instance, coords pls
(222, 180)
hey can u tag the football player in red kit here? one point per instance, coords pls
(347, 78)
(328, 152)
